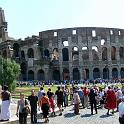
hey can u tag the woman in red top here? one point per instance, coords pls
(44, 103)
(86, 93)
(111, 100)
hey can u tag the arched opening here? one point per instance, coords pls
(55, 55)
(16, 50)
(65, 54)
(121, 52)
(56, 75)
(95, 53)
(46, 53)
(4, 54)
(75, 54)
(96, 73)
(103, 42)
(22, 54)
(30, 53)
(113, 53)
(122, 72)
(76, 74)
(40, 75)
(85, 53)
(23, 71)
(30, 75)
(66, 74)
(104, 53)
(114, 73)
(105, 73)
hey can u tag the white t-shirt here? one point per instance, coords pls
(121, 109)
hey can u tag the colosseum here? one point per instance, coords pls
(78, 53)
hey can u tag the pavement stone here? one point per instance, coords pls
(85, 117)
(69, 117)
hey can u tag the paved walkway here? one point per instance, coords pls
(69, 117)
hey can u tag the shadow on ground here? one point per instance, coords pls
(69, 115)
(86, 115)
(105, 116)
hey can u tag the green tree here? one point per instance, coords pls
(9, 71)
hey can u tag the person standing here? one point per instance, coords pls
(50, 95)
(119, 96)
(5, 106)
(76, 101)
(59, 94)
(121, 111)
(86, 92)
(111, 100)
(33, 103)
(92, 98)
(22, 103)
(44, 103)
(40, 93)
(81, 95)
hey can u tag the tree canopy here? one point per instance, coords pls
(9, 71)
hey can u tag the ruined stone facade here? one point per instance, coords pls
(70, 54)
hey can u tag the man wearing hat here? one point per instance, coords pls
(121, 111)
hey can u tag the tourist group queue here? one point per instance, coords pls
(110, 98)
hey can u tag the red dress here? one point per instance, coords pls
(111, 101)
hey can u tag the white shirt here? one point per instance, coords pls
(121, 109)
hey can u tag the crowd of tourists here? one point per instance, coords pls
(86, 96)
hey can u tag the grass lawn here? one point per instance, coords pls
(27, 90)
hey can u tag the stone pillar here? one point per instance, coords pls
(91, 73)
(70, 58)
(71, 73)
(110, 72)
(117, 55)
(108, 49)
(101, 72)
(35, 73)
(81, 73)
(61, 73)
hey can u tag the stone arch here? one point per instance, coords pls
(40, 75)
(65, 54)
(122, 73)
(55, 54)
(30, 53)
(30, 75)
(113, 53)
(56, 75)
(96, 73)
(23, 67)
(121, 52)
(95, 53)
(22, 54)
(76, 74)
(46, 53)
(75, 53)
(4, 54)
(104, 53)
(105, 73)
(66, 75)
(16, 48)
(114, 73)
(85, 53)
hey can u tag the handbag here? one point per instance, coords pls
(26, 108)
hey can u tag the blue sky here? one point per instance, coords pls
(29, 17)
